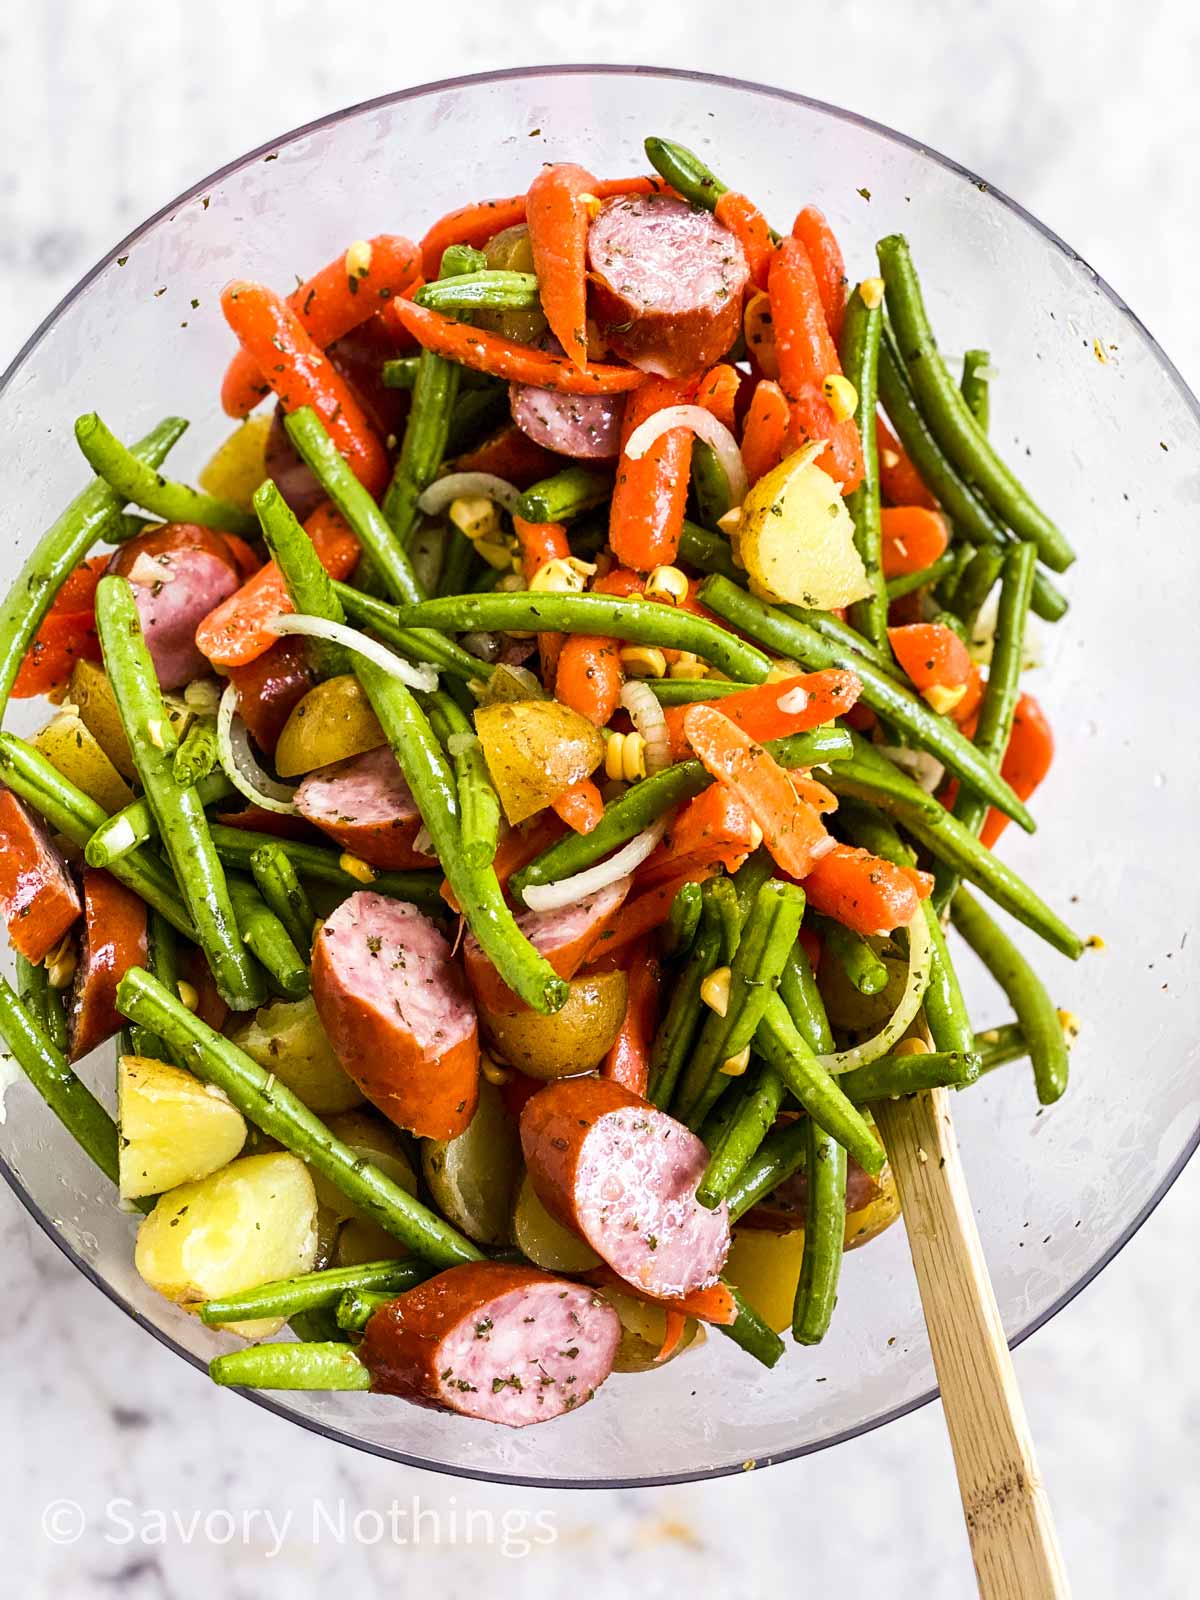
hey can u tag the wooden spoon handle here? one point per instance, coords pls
(1013, 1542)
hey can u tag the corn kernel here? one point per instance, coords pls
(841, 394)
(942, 699)
(912, 1047)
(644, 661)
(667, 583)
(688, 666)
(496, 553)
(493, 1071)
(591, 205)
(889, 458)
(782, 670)
(871, 290)
(154, 732)
(1094, 942)
(735, 1066)
(475, 517)
(714, 991)
(625, 757)
(759, 331)
(356, 867)
(60, 963)
(562, 575)
(188, 995)
(358, 259)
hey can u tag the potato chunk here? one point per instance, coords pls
(472, 1177)
(69, 745)
(286, 1037)
(535, 750)
(173, 1128)
(240, 463)
(543, 1240)
(333, 722)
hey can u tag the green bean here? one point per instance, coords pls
(478, 802)
(197, 753)
(977, 581)
(456, 567)
(728, 914)
(475, 888)
(267, 936)
(742, 1135)
(475, 413)
(749, 878)
(77, 816)
(308, 584)
(317, 1327)
(282, 1115)
(283, 892)
(1030, 1000)
(948, 415)
(687, 691)
(673, 1041)
(134, 825)
(783, 1152)
(932, 733)
(923, 578)
(718, 1121)
(43, 1003)
(387, 554)
(565, 495)
(427, 553)
(975, 388)
(683, 919)
(708, 551)
(137, 481)
(162, 959)
(127, 526)
(860, 362)
(888, 1077)
(801, 995)
(616, 616)
(996, 1047)
(710, 485)
(91, 516)
(418, 644)
(487, 289)
(236, 846)
(179, 813)
(324, 1365)
(963, 552)
(685, 172)
(423, 447)
(751, 1333)
(862, 967)
(357, 1306)
(401, 373)
(312, 1291)
(769, 931)
(824, 1231)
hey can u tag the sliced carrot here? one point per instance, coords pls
(504, 358)
(749, 227)
(913, 537)
(1026, 761)
(300, 373)
(650, 494)
(510, 454)
(558, 221)
(812, 698)
(933, 656)
(714, 1304)
(589, 677)
(541, 542)
(792, 829)
(66, 635)
(78, 591)
(765, 430)
(673, 1331)
(645, 911)
(331, 304)
(900, 481)
(818, 238)
(715, 829)
(817, 795)
(247, 562)
(628, 1059)
(718, 393)
(581, 806)
(236, 631)
(861, 891)
(621, 581)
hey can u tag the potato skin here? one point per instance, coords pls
(472, 1177)
(535, 750)
(332, 722)
(287, 1038)
(570, 1041)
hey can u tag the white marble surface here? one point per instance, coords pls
(1087, 113)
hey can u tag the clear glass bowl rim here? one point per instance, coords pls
(839, 114)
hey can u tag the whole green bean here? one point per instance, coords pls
(975, 387)
(948, 415)
(673, 1041)
(282, 1115)
(685, 172)
(860, 363)
(236, 846)
(708, 551)
(865, 971)
(771, 627)
(751, 1333)
(841, 634)
(197, 753)
(324, 1365)
(488, 289)
(683, 920)
(282, 890)
(162, 959)
(475, 413)
(615, 616)
(710, 485)
(1030, 1000)
(93, 514)
(357, 1306)
(996, 1047)
(687, 691)
(268, 937)
(401, 373)
(977, 581)
(311, 1291)
(418, 644)
(308, 584)
(924, 577)
(318, 1326)
(42, 1002)
(713, 1129)
(888, 1077)
(783, 1152)
(428, 553)
(801, 995)
(478, 802)
(565, 495)
(742, 1135)
(722, 897)
(134, 825)
(963, 552)
(137, 481)
(824, 1231)
(182, 825)
(456, 567)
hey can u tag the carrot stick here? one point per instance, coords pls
(628, 1059)
(764, 433)
(673, 1331)
(330, 305)
(541, 542)
(933, 656)
(650, 494)
(861, 891)
(644, 912)
(718, 393)
(818, 238)
(813, 698)
(898, 478)
(581, 806)
(301, 375)
(558, 230)
(510, 454)
(913, 538)
(749, 227)
(715, 829)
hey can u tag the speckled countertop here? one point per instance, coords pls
(109, 108)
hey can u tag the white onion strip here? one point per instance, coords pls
(915, 984)
(553, 896)
(395, 666)
(459, 485)
(647, 716)
(705, 426)
(240, 767)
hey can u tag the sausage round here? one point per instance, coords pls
(567, 938)
(291, 476)
(623, 1176)
(114, 939)
(501, 1343)
(179, 573)
(784, 1208)
(587, 427)
(666, 283)
(396, 1010)
(38, 897)
(364, 805)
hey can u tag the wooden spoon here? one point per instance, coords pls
(1013, 1542)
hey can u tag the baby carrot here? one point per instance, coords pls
(650, 494)
(818, 238)
(558, 228)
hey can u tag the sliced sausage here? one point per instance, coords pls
(501, 1343)
(179, 573)
(567, 938)
(666, 283)
(114, 939)
(623, 1176)
(292, 477)
(397, 1012)
(785, 1207)
(586, 426)
(364, 805)
(270, 687)
(38, 897)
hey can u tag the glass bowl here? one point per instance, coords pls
(1105, 433)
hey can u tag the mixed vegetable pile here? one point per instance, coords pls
(510, 814)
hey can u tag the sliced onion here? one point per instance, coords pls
(240, 767)
(705, 426)
(203, 696)
(423, 842)
(350, 639)
(647, 716)
(458, 485)
(915, 984)
(927, 770)
(149, 573)
(553, 896)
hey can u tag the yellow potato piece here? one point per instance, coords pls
(369, 1136)
(543, 1240)
(287, 1038)
(332, 722)
(69, 745)
(240, 464)
(535, 750)
(643, 1329)
(869, 1221)
(765, 1266)
(569, 1041)
(173, 1128)
(360, 1241)
(796, 538)
(251, 1222)
(90, 694)
(472, 1177)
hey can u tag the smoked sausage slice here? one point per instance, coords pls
(585, 426)
(179, 573)
(38, 897)
(114, 939)
(567, 938)
(364, 805)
